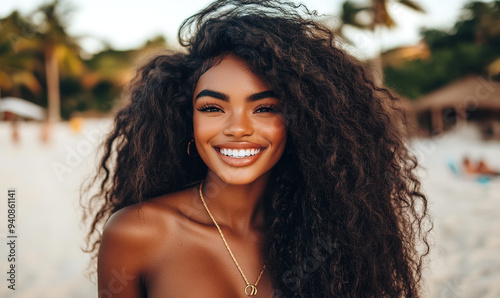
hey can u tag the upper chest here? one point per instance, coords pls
(193, 261)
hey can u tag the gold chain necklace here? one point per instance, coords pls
(250, 290)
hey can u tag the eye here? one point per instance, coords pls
(210, 108)
(269, 108)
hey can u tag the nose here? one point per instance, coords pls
(238, 125)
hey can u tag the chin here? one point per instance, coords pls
(239, 179)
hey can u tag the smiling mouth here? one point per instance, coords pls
(239, 153)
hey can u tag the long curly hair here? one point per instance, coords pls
(345, 213)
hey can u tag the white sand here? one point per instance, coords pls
(47, 178)
(465, 260)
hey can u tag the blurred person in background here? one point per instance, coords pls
(481, 168)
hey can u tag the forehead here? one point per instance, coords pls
(231, 73)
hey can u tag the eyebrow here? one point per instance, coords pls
(224, 97)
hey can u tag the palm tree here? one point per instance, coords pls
(18, 60)
(58, 48)
(379, 17)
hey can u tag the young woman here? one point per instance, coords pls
(260, 162)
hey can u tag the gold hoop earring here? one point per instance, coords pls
(189, 145)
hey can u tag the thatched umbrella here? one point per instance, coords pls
(472, 93)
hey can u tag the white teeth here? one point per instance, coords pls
(239, 153)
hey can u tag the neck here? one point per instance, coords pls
(238, 208)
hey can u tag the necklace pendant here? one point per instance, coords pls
(251, 290)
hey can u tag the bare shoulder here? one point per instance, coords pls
(125, 250)
(129, 239)
(143, 226)
(131, 226)
(138, 226)
(134, 239)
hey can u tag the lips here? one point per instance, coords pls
(239, 154)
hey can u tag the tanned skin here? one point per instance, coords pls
(169, 246)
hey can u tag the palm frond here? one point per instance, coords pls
(412, 4)
(350, 12)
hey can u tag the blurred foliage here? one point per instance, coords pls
(95, 82)
(18, 57)
(470, 47)
(90, 84)
(370, 14)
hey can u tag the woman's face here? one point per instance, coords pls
(238, 125)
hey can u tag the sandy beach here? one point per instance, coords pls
(464, 261)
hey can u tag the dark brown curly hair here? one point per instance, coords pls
(345, 213)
